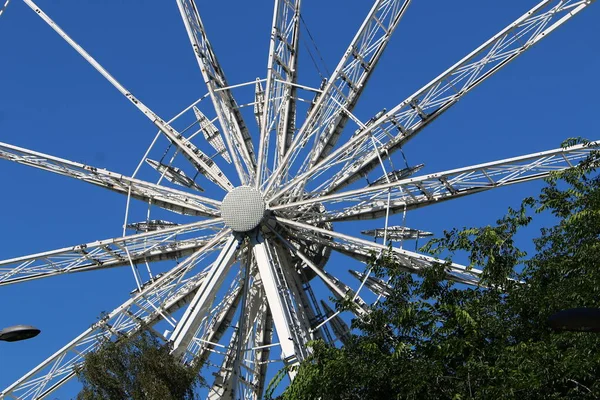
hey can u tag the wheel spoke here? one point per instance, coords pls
(338, 98)
(188, 325)
(237, 366)
(167, 198)
(338, 288)
(168, 244)
(361, 249)
(152, 304)
(339, 327)
(292, 332)
(371, 202)
(359, 155)
(234, 128)
(201, 161)
(278, 112)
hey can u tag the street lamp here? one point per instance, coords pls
(18, 332)
(576, 320)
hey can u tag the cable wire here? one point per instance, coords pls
(3, 8)
(314, 44)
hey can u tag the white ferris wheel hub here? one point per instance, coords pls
(243, 209)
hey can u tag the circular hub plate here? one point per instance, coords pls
(243, 209)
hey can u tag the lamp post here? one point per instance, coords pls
(18, 332)
(576, 320)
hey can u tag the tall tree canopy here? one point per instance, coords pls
(432, 339)
(139, 367)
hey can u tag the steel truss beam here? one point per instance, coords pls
(372, 201)
(201, 161)
(240, 365)
(350, 78)
(375, 285)
(166, 244)
(161, 196)
(263, 340)
(212, 134)
(329, 114)
(397, 233)
(174, 175)
(186, 328)
(338, 288)
(340, 329)
(292, 332)
(278, 111)
(234, 128)
(226, 380)
(203, 344)
(364, 250)
(153, 303)
(249, 357)
(359, 155)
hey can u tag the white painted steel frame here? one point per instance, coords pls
(166, 244)
(278, 112)
(292, 335)
(343, 89)
(167, 198)
(355, 158)
(234, 128)
(195, 313)
(411, 261)
(154, 302)
(374, 201)
(200, 160)
(270, 291)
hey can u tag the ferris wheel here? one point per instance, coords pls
(285, 164)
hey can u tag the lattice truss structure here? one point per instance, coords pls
(242, 296)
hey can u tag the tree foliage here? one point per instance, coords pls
(433, 339)
(137, 367)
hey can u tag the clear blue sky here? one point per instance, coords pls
(52, 101)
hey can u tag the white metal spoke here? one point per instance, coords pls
(168, 244)
(397, 233)
(375, 285)
(350, 77)
(239, 365)
(297, 284)
(339, 327)
(189, 323)
(200, 347)
(167, 198)
(329, 114)
(292, 335)
(373, 201)
(278, 111)
(355, 158)
(263, 339)
(173, 175)
(225, 380)
(201, 161)
(349, 245)
(339, 289)
(212, 134)
(252, 255)
(153, 303)
(4, 6)
(236, 133)
(255, 347)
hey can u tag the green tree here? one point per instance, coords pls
(432, 339)
(137, 367)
